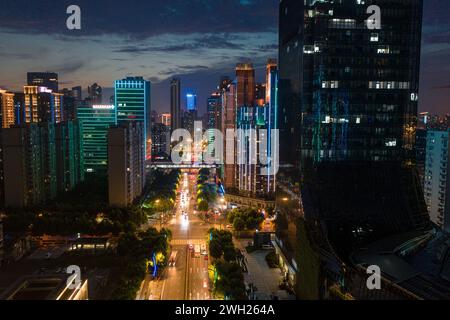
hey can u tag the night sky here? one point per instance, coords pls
(197, 40)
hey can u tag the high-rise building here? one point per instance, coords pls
(175, 104)
(43, 79)
(191, 101)
(166, 119)
(70, 103)
(245, 84)
(214, 121)
(77, 93)
(95, 94)
(256, 148)
(229, 123)
(160, 141)
(348, 108)
(95, 121)
(69, 155)
(125, 163)
(437, 178)
(41, 104)
(133, 103)
(7, 113)
(421, 152)
(29, 158)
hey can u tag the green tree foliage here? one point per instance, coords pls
(245, 218)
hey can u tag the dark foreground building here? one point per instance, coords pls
(348, 99)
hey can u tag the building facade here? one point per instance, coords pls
(125, 163)
(437, 178)
(175, 104)
(132, 100)
(348, 99)
(95, 121)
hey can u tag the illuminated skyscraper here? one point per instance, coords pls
(41, 104)
(347, 115)
(175, 103)
(214, 113)
(132, 100)
(95, 121)
(245, 84)
(7, 113)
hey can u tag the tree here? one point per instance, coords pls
(215, 249)
(238, 224)
(203, 206)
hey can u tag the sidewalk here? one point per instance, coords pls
(265, 279)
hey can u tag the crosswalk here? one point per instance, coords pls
(180, 242)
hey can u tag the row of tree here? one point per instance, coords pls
(225, 273)
(138, 253)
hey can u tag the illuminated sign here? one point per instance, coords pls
(103, 106)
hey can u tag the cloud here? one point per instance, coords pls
(140, 19)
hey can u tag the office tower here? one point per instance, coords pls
(188, 120)
(437, 178)
(160, 141)
(229, 124)
(191, 101)
(41, 104)
(132, 100)
(271, 66)
(348, 108)
(95, 94)
(43, 79)
(70, 102)
(77, 93)
(245, 84)
(166, 119)
(260, 94)
(125, 163)
(69, 153)
(214, 121)
(7, 109)
(421, 152)
(175, 104)
(256, 145)
(29, 159)
(95, 121)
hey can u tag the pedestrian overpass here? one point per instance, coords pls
(171, 165)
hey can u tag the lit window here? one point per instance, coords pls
(374, 37)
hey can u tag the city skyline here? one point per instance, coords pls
(170, 45)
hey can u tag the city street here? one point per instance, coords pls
(187, 276)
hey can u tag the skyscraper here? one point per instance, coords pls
(348, 107)
(245, 84)
(229, 123)
(41, 104)
(437, 177)
(160, 141)
(214, 113)
(175, 103)
(133, 103)
(7, 113)
(125, 163)
(43, 79)
(29, 158)
(191, 101)
(95, 94)
(95, 121)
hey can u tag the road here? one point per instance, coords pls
(188, 279)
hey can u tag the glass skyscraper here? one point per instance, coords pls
(95, 121)
(348, 99)
(132, 100)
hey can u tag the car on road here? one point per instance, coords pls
(229, 226)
